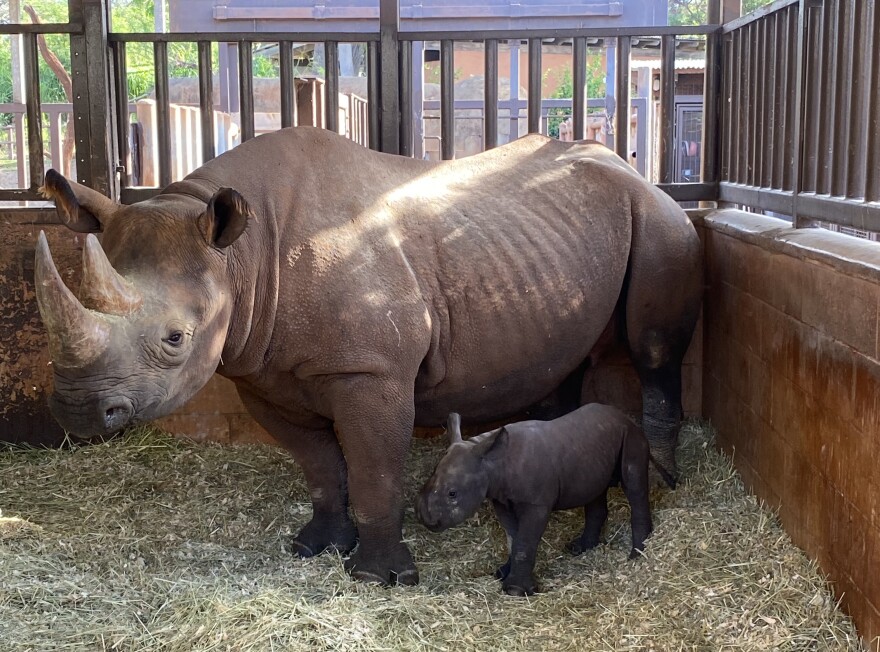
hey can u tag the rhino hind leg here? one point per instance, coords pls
(662, 304)
(595, 515)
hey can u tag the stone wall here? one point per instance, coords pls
(792, 383)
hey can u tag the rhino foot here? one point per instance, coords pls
(580, 545)
(325, 532)
(388, 569)
(502, 572)
(519, 589)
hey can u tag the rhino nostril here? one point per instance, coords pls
(117, 413)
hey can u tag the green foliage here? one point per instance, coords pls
(595, 87)
(694, 12)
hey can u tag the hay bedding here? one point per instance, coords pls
(152, 543)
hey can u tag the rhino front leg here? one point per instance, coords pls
(532, 521)
(317, 452)
(374, 421)
(508, 521)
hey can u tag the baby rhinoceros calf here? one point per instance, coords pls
(531, 468)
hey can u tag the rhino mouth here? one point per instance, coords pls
(107, 416)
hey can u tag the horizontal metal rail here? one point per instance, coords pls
(41, 28)
(757, 14)
(565, 33)
(253, 37)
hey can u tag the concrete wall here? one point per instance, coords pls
(792, 383)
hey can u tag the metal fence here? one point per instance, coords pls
(791, 120)
(801, 112)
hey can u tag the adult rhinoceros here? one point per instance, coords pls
(351, 294)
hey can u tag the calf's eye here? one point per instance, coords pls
(453, 494)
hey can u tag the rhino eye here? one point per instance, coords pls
(175, 338)
(453, 493)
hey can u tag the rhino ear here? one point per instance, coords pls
(453, 428)
(80, 208)
(225, 219)
(490, 441)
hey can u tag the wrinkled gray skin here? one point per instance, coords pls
(532, 468)
(350, 295)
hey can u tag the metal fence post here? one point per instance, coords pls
(712, 95)
(389, 26)
(93, 106)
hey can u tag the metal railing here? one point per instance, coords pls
(801, 112)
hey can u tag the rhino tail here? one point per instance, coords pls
(668, 478)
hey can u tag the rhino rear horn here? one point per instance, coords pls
(453, 427)
(103, 289)
(77, 336)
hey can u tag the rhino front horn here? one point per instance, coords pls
(77, 336)
(103, 288)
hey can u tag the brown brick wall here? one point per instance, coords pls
(791, 382)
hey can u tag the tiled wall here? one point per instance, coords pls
(791, 381)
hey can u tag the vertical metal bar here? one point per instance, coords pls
(406, 98)
(534, 100)
(55, 138)
(389, 24)
(734, 103)
(781, 92)
(163, 124)
(418, 99)
(93, 106)
(579, 75)
(285, 65)
(712, 98)
(622, 93)
(33, 110)
(812, 94)
(447, 100)
(769, 96)
(206, 100)
(798, 113)
(246, 89)
(843, 93)
(755, 126)
(745, 78)
(331, 88)
(726, 99)
(490, 94)
(513, 132)
(373, 95)
(827, 122)
(122, 118)
(872, 180)
(861, 74)
(667, 108)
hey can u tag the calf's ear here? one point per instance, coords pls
(225, 218)
(490, 441)
(453, 428)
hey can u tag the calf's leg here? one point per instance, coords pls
(595, 514)
(531, 523)
(634, 478)
(508, 521)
